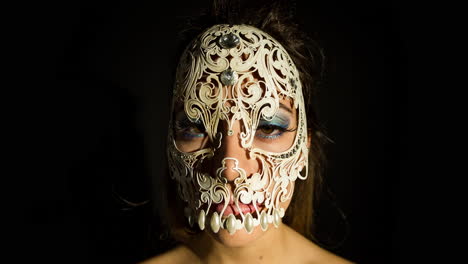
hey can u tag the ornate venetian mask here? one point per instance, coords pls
(236, 75)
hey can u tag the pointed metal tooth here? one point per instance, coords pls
(191, 220)
(215, 222)
(264, 221)
(231, 224)
(248, 223)
(276, 218)
(201, 219)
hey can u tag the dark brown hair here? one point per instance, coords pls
(277, 19)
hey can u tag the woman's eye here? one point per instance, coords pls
(269, 131)
(189, 130)
(193, 132)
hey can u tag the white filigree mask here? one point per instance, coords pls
(232, 74)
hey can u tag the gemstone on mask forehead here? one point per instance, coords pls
(229, 77)
(229, 41)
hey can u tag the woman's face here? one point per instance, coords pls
(237, 139)
(275, 135)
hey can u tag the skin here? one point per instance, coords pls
(282, 245)
(276, 245)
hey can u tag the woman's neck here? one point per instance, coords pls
(268, 248)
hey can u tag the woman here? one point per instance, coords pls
(244, 144)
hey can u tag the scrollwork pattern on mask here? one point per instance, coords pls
(266, 74)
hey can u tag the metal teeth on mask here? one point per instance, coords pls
(276, 218)
(248, 223)
(215, 222)
(201, 219)
(231, 224)
(264, 221)
(191, 220)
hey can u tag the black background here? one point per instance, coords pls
(95, 78)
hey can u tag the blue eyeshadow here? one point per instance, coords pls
(278, 120)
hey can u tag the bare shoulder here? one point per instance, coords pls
(309, 252)
(180, 254)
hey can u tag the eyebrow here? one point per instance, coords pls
(283, 106)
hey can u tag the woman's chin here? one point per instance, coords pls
(240, 238)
